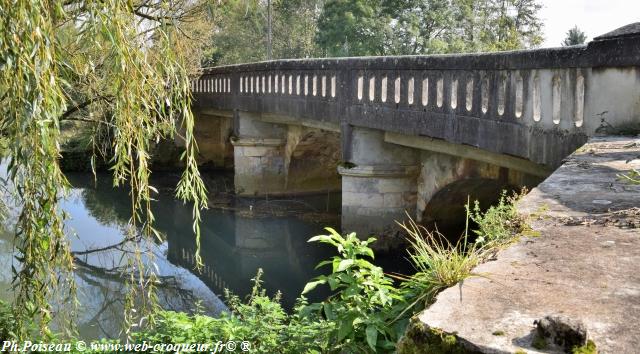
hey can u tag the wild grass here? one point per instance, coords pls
(440, 264)
(631, 177)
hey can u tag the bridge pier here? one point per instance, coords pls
(259, 159)
(378, 184)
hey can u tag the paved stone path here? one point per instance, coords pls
(585, 264)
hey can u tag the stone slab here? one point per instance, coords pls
(583, 264)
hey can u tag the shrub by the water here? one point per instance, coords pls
(364, 301)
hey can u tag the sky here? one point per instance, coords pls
(594, 17)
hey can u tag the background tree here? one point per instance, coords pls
(319, 28)
(574, 37)
(295, 27)
(240, 31)
(419, 26)
(353, 28)
(407, 27)
(509, 25)
(239, 34)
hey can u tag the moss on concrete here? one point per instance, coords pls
(539, 343)
(589, 348)
(420, 339)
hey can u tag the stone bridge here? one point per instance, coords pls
(415, 133)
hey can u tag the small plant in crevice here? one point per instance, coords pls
(589, 348)
(500, 223)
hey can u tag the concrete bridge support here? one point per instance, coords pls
(259, 159)
(378, 183)
(282, 159)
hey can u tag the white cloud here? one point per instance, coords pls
(594, 17)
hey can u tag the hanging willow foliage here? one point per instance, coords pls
(113, 62)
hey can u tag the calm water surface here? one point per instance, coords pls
(238, 237)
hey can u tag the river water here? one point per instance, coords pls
(238, 236)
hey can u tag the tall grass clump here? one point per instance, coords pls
(439, 264)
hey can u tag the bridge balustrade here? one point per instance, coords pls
(535, 104)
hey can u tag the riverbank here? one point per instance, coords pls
(580, 265)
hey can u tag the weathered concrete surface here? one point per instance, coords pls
(584, 263)
(212, 134)
(379, 187)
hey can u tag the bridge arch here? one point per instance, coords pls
(447, 182)
(446, 209)
(311, 160)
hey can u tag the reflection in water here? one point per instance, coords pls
(234, 245)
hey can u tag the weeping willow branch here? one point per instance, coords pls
(85, 104)
(53, 50)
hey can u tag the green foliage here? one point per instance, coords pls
(574, 37)
(303, 29)
(438, 263)
(353, 28)
(589, 348)
(8, 325)
(260, 320)
(362, 306)
(403, 27)
(500, 223)
(240, 31)
(84, 61)
(509, 24)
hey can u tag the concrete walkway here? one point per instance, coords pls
(585, 264)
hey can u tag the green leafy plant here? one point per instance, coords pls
(8, 324)
(260, 320)
(589, 348)
(364, 300)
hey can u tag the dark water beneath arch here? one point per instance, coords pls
(237, 237)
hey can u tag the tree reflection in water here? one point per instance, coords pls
(236, 240)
